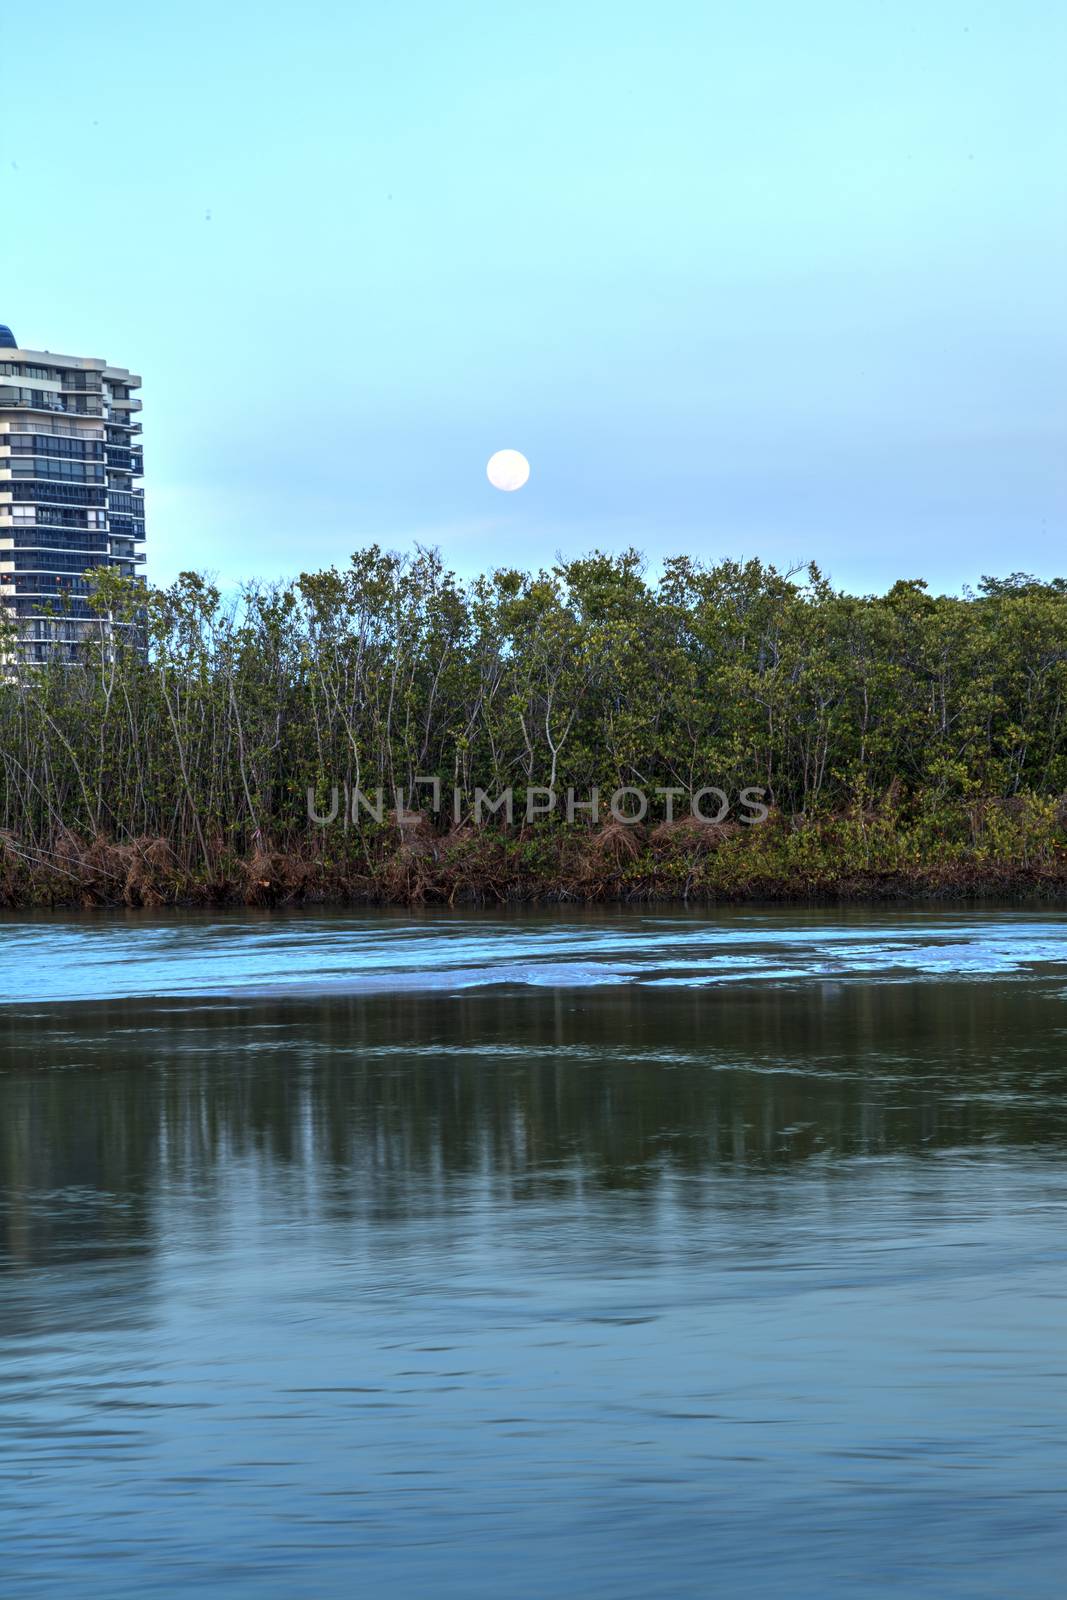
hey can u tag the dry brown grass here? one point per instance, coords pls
(693, 834)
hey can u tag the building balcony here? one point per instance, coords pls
(127, 528)
(36, 491)
(37, 402)
(124, 460)
(126, 502)
(55, 568)
(42, 606)
(82, 541)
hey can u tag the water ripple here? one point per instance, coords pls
(55, 959)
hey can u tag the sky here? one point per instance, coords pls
(773, 279)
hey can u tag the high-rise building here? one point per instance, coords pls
(70, 452)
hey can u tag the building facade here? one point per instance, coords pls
(70, 460)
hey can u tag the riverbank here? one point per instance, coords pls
(1007, 848)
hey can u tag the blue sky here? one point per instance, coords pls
(770, 279)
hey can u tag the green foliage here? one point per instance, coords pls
(202, 720)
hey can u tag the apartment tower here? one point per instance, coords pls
(70, 455)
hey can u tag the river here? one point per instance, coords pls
(599, 1254)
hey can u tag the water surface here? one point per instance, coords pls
(539, 1256)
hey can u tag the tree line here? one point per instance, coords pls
(202, 719)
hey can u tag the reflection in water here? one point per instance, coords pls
(539, 1290)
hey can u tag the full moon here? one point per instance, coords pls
(508, 469)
